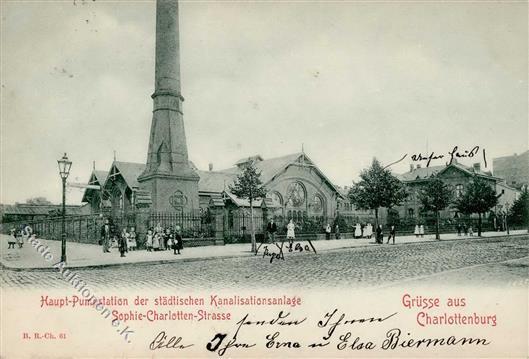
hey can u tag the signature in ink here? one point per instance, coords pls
(452, 155)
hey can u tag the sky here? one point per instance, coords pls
(347, 80)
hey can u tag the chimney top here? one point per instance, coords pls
(418, 165)
(411, 167)
(210, 166)
(477, 166)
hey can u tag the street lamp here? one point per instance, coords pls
(64, 171)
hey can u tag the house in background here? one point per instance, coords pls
(456, 175)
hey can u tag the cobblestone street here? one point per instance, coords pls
(505, 259)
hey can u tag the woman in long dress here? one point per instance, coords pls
(291, 234)
(368, 232)
(421, 230)
(416, 231)
(358, 231)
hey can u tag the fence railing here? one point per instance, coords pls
(232, 227)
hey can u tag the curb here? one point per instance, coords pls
(242, 255)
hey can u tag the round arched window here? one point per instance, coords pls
(296, 194)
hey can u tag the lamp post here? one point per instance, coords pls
(64, 171)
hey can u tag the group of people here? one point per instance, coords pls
(462, 228)
(157, 239)
(160, 239)
(379, 234)
(419, 230)
(17, 236)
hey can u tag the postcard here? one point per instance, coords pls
(264, 179)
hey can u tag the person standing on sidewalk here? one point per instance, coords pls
(358, 231)
(337, 231)
(178, 242)
(328, 231)
(458, 229)
(11, 240)
(416, 231)
(379, 237)
(105, 236)
(392, 234)
(421, 230)
(122, 243)
(148, 240)
(271, 229)
(291, 232)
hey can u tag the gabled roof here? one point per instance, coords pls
(130, 172)
(99, 176)
(427, 172)
(420, 173)
(273, 167)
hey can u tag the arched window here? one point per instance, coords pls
(296, 194)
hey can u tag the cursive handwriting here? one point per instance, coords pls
(326, 322)
(161, 342)
(452, 155)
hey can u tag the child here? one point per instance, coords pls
(156, 241)
(11, 240)
(149, 241)
(132, 236)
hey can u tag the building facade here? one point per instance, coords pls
(456, 175)
(513, 169)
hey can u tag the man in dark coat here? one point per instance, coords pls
(106, 234)
(178, 243)
(271, 229)
(379, 236)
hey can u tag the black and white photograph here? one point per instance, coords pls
(226, 178)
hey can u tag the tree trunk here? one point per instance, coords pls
(479, 224)
(376, 217)
(252, 228)
(437, 225)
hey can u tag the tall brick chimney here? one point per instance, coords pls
(168, 176)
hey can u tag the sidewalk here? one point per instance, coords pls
(91, 256)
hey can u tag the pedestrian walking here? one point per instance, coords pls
(421, 230)
(105, 236)
(470, 231)
(358, 231)
(392, 234)
(11, 240)
(178, 242)
(328, 231)
(465, 229)
(271, 229)
(416, 231)
(291, 231)
(458, 227)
